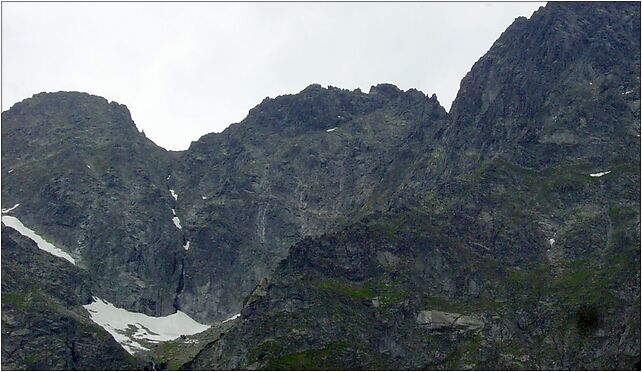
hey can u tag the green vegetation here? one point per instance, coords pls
(386, 292)
(461, 306)
(331, 357)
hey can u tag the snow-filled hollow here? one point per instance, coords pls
(129, 328)
(44, 245)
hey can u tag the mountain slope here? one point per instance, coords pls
(197, 230)
(296, 166)
(88, 181)
(365, 231)
(513, 243)
(43, 325)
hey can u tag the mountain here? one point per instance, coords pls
(511, 247)
(351, 230)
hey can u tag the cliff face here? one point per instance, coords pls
(369, 230)
(297, 166)
(562, 86)
(506, 245)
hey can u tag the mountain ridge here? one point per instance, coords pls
(372, 231)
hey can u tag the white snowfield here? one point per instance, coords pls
(129, 328)
(15, 224)
(174, 195)
(600, 174)
(7, 210)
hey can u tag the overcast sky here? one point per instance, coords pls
(187, 69)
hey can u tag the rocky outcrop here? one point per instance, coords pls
(435, 319)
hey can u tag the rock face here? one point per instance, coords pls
(281, 175)
(87, 180)
(468, 227)
(240, 198)
(435, 319)
(364, 231)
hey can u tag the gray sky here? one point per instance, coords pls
(187, 69)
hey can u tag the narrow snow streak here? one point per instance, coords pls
(88, 166)
(231, 318)
(186, 246)
(331, 130)
(599, 174)
(7, 210)
(174, 195)
(10, 170)
(15, 224)
(128, 328)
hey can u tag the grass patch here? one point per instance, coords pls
(387, 293)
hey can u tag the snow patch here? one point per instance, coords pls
(600, 174)
(231, 318)
(10, 170)
(186, 246)
(203, 197)
(628, 92)
(332, 130)
(174, 195)
(551, 241)
(88, 166)
(7, 210)
(15, 224)
(176, 220)
(129, 328)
